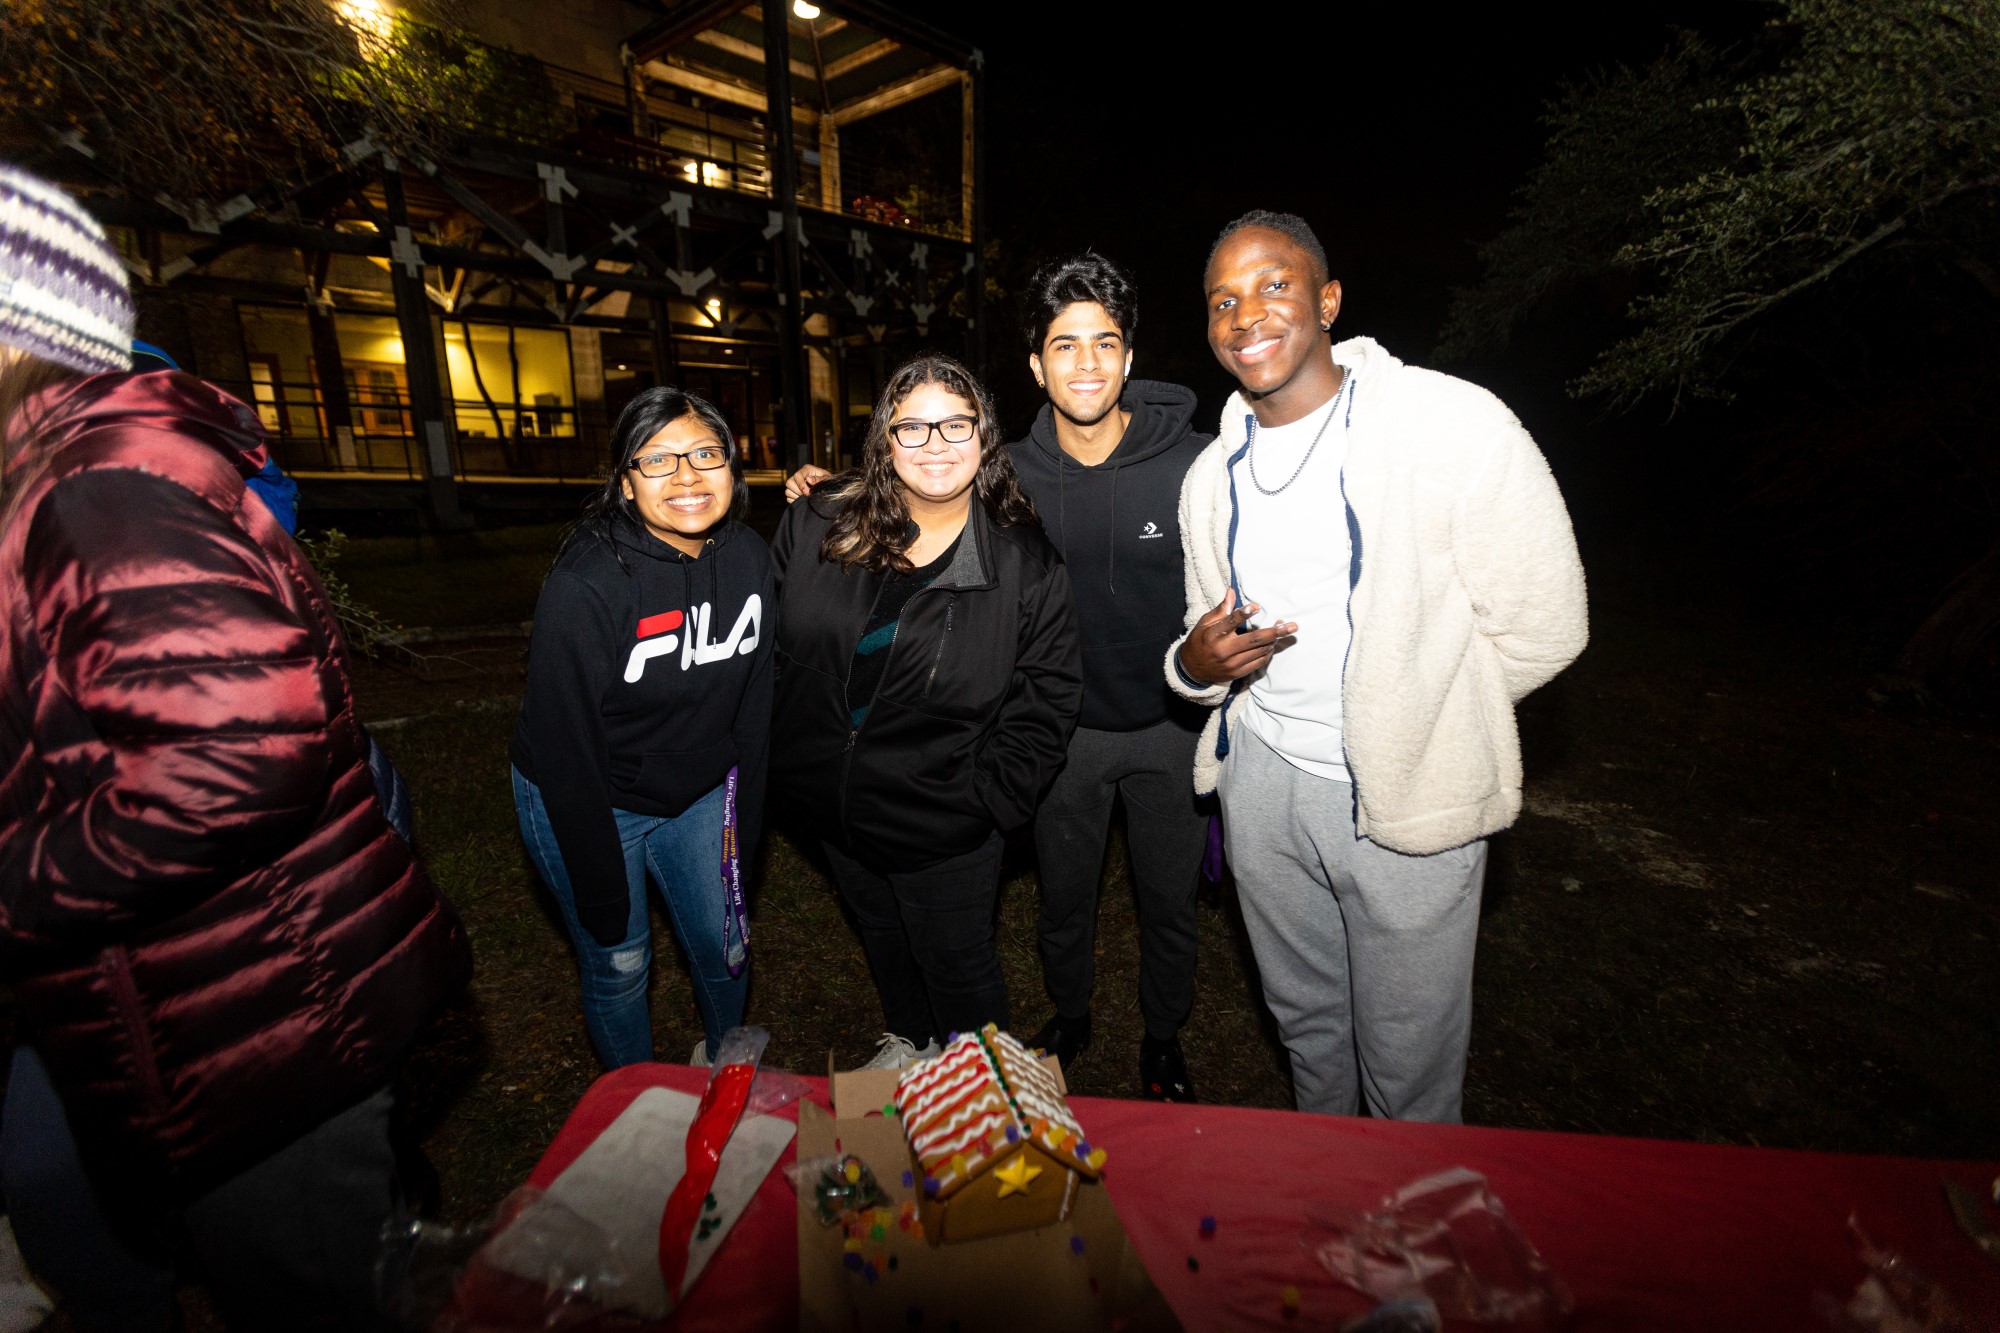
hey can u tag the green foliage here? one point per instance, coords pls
(470, 86)
(200, 99)
(1612, 140)
(367, 631)
(1878, 127)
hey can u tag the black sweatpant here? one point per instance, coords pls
(1153, 770)
(928, 935)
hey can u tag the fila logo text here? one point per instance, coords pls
(657, 638)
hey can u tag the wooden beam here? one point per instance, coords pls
(920, 84)
(907, 29)
(854, 60)
(722, 90)
(736, 46)
(671, 30)
(828, 24)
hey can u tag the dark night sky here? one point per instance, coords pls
(1398, 131)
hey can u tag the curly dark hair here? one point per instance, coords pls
(643, 418)
(1088, 278)
(1290, 225)
(871, 523)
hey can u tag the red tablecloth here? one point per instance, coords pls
(1648, 1235)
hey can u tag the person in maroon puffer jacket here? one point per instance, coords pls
(218, 946)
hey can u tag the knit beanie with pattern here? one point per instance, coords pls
(63, 294)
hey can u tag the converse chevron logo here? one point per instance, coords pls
(1151, 529)
(657, 638)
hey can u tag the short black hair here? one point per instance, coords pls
(1290, 224)
(1085, 279)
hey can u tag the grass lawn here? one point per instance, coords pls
(1742, 906)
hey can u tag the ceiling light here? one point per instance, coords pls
(715, 308)
(804, 10)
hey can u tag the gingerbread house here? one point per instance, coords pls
(993, 1137)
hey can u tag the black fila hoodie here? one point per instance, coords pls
(649, 678)
(1118, 528)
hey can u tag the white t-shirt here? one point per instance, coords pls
(1292, 554)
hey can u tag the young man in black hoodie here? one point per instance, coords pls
(1104, 464)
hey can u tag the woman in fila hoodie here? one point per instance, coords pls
(645, 730)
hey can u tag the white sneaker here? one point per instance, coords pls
(699, 1059)
(899, 1053)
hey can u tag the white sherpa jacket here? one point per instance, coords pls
(1465, 593)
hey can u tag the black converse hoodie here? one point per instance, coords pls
(649, 678)
(1118, 527)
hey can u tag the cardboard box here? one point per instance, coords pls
(1077, 1273)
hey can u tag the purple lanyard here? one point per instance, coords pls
(738, 950)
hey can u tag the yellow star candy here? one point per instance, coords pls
(1014, 1176)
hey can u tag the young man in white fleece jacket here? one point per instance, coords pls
(1378, 568)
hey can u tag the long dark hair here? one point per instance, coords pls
(872, 526)
(643, 418)
(21, 380)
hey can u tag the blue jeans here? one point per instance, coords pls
(683, 857)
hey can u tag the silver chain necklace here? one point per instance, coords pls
(1331, 409)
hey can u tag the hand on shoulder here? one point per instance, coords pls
(800, 484)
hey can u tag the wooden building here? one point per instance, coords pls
(768, 205)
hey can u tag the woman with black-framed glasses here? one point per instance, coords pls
(645, 729)
(929, 676)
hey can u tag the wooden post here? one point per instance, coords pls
(976, 220)
(794, 415)
(420, 360)
(829, 165)
(666, 366)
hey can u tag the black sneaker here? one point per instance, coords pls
(1163, 1071)
(1064, 1038)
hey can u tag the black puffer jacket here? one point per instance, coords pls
(974, 713)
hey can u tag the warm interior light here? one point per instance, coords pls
(804, 10)
(714, 308)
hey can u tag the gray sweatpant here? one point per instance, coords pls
(1366, 954)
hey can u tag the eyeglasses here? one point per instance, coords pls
(917, 434)
(663, 463)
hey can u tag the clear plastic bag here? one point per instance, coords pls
(1446, 1237)
(537, 1263)
(1894, 1297)
(839, 1186)
(446, 1279)
(1405, 1314)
